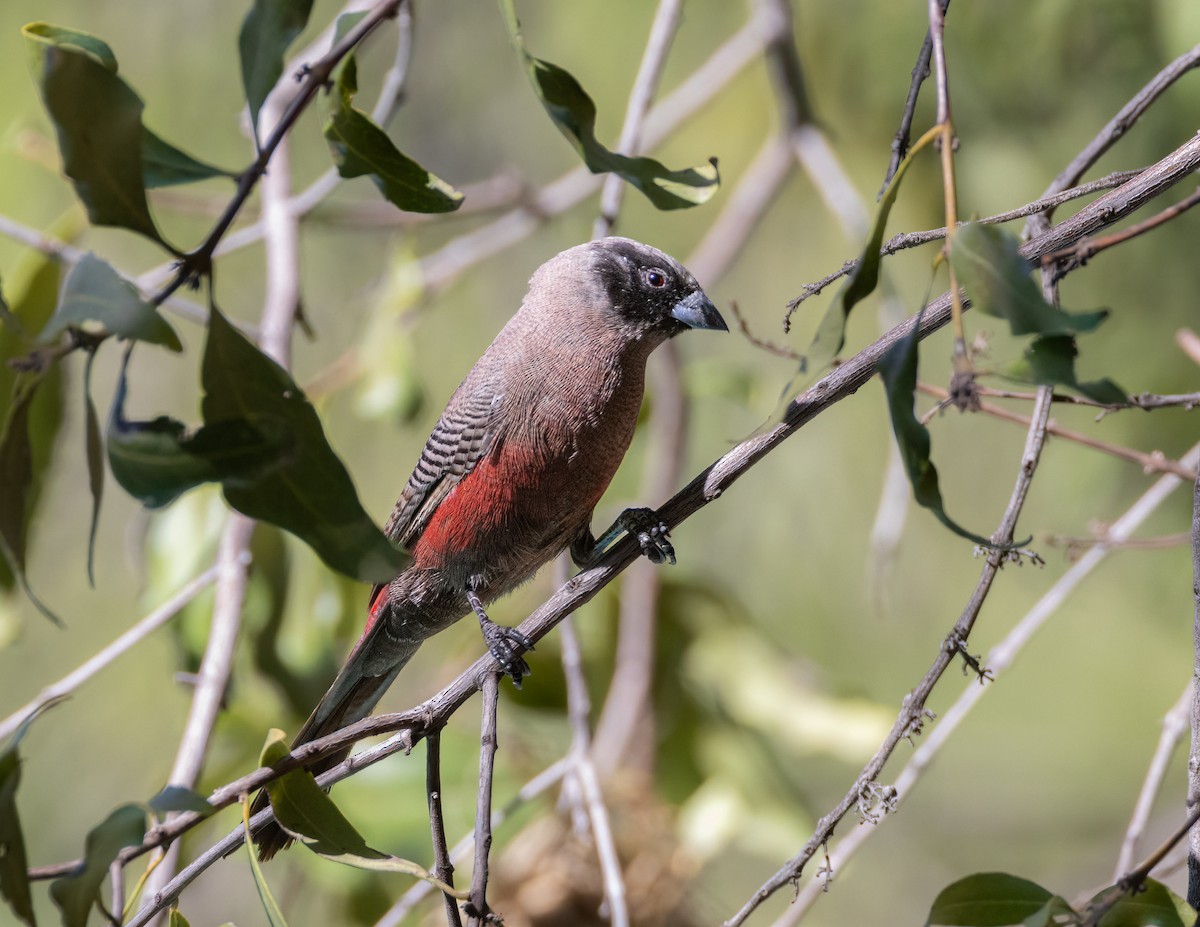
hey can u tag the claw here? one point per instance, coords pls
(651, 532)
(502, 643)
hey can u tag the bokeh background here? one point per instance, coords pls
(786, 645)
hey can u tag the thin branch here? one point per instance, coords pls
(313, 78)
(913, 714)
(999, 660)
(540, 783)
(477, 907)
(903, 136)
(705, 488)
(1174, 726)
(906, 240)
(1153, 462)
(233, 562)
(1082, 252)
(654, 59)
(1075, 546)
(808, 143)
(443, 868)
(1141, 401)
(1114, 130)
(583, 774)
(99, 661)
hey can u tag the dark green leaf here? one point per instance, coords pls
(180, 798)
(574, 113)
(75, 894)
(270, 905)
(309, 814)
(31, 437)
(95, 293)
(310, 493)
(157, 461)
(1050, 360)
(164, 165)
(831, 334)
(98, 121)
(992, 899)
(898, 369)
(17, 476)
(362, 148)
(1154, 906)
(267, 32)
(14, 878)
(990, 267)
(94, 451)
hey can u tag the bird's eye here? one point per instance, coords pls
(655, 278)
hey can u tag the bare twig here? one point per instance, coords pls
(654, 59)
(583, 776)
(999, 660)
(1174, 726)
(905, 240)
(1082, 252)
(1114, 130)
(913, 714)
(1074, 546)
(477, 907)
(233, 561)
(443, 868)
(1153, 462)
(903, 136)
(99, 661)
(1140, 401)
(540, 783)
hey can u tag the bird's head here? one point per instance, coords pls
(641, 290)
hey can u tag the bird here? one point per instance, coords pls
(515, 465)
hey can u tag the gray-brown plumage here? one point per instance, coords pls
(518, 460)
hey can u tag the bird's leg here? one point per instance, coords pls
(650, 531)
(500, 640)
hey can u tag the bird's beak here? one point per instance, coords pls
(697, 311)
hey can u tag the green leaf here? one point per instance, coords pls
(176, 919)
(831, 334)
(270, 905)
(94, 452)
(309, 814)
(180, 798)
(157, 461)
(989, 265)
(574, 113)
(1154, 906)
(267, 32)
(14, 877)
(898, 370)
(26, 434)
(95, 294)
(1050, 360)
(17, 478)
(75, 894)
(164, 165)
(98, 120)
(993, 899)
(309, 493)
(362, 148)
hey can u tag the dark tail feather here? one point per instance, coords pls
(348, 700)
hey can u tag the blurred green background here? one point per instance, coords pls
(785, 650)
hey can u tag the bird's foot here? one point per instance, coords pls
(651, 532)
(503, 643)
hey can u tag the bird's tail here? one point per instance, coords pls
(371, 668)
